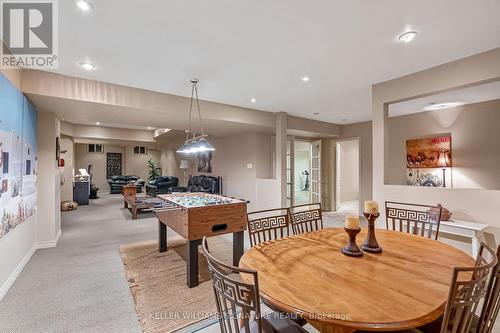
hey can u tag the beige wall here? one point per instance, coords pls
(49, 178)
(67, 145)
(349, 170)
(98, 161)
(474, 205)
(363, 131)
(137, 164)
(475, 142)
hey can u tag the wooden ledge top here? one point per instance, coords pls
(403, 287)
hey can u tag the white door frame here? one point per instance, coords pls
(318, 181)
(334, 166)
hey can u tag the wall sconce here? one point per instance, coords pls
(444, 162)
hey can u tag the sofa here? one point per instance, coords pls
(162, 185)
(202, 183)
(117, 182)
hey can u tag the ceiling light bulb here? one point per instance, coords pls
(97, 123)
(253, 100)
(84, 5)
(87, 66)
(407, 36)
(150, 128)
(305, 78)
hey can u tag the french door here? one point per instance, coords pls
(316, 171)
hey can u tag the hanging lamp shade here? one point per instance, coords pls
(196, 143)
(185, 148)
(202, 145)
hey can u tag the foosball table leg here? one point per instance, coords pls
(237, 247)
(192, 262)
(162, 237)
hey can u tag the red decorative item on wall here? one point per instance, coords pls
(61, 163)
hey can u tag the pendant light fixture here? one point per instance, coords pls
(195, 143)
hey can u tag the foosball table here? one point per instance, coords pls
(196, 215)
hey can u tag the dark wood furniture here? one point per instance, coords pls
(405, 286)
(81, 192)
(305, 218)
(265, 225)
(196, 215)
(238, 302)
(139, 204)
(412, 218)
(129, 190)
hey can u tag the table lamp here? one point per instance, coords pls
(444, 162)
(184, 166)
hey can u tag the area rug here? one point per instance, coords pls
(157, 281)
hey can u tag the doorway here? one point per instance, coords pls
(306, 179)
(347, 175)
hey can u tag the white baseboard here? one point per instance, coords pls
(13, 276)
(49, 244)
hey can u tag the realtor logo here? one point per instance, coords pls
(29, 34)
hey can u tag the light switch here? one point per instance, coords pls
(249, 165)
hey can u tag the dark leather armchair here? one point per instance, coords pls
(202, 183)
(162, 185)
(117, 182)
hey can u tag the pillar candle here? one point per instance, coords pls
(352, 222)
(371, 207)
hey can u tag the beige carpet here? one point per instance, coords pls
(157, 281)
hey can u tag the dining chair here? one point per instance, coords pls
(305, 218)
(491, 305)
(469, 285)
(265, 225)
(412, 218)
(238, 302)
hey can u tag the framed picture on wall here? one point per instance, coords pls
(5, 162)
(424, 153)
(205, 162)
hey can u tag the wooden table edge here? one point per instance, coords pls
(394, 326)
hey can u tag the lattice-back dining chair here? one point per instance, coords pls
(491, 305)
(238, 302)
(468, 286)
(305, 218)
(265, 225)
(412, 218)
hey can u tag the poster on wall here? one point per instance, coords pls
(422, 160)
(18, 157)
(205, 161)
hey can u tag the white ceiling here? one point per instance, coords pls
(261, 49)
(481, 93)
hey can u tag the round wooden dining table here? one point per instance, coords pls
(405, 286)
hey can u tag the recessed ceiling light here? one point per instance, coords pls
(253, 100)
(407, 36)
(97, 123)
(83, 5)
(305, 78)
(150, 128)
(87, 66)
(440, 106)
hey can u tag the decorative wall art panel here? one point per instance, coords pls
(18, 157)
(424, 153)
(422, 161)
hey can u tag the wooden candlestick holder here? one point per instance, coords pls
(371, 244)
(351, 249)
